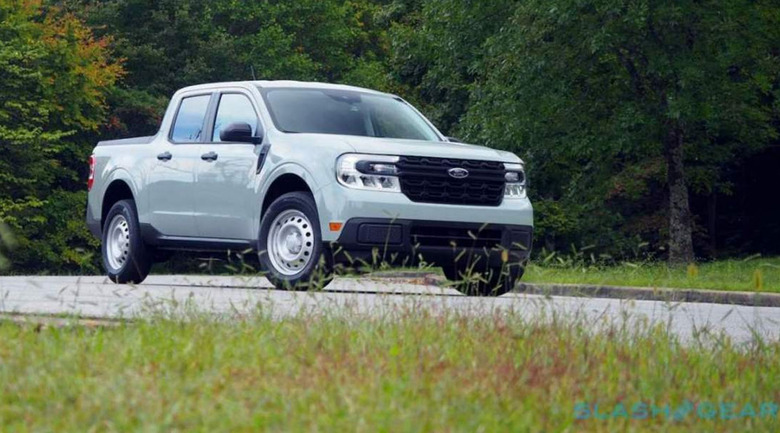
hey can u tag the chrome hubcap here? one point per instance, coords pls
(118, 242)
(290, 242)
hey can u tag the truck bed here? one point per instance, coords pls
(125, 141)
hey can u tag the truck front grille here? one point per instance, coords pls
(427, 180)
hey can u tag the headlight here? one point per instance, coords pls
(372, 172)
(515, 181)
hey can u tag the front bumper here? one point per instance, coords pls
(371, 241)
(336, 203)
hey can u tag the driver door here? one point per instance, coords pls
(226, 174)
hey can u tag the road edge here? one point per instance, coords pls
(752, 299)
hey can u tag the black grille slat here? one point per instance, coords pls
(425, 180)
(429, 236)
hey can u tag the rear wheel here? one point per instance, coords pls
(291, 249)
(482, 280)
(125, 257)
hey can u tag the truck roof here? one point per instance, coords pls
(278, 83)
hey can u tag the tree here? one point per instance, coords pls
(171, 44)
(53, 80)
(631, 91)
(437, 51)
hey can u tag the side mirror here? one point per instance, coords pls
(454, 140)
(241, 132)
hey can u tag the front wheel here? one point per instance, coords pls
(291, 249)
(125, 257)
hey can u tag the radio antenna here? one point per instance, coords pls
(252, 68)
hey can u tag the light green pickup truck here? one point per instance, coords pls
(312, 177)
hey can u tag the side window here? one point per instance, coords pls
(233, 108)
(188, 126)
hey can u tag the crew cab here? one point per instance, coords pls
(312, 177)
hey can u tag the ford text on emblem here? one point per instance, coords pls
(458, 173)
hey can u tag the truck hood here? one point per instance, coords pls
(440, 149)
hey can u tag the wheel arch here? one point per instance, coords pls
(117, 190)
(283, 184)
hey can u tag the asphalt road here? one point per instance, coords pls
(99, 298)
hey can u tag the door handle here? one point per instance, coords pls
(165, 156)
(211, 156)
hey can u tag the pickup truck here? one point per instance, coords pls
(312, 177)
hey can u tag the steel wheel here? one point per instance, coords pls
(118, 242)
(125, 256)
(290, 247)
(290, 242)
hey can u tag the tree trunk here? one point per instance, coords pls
(712, 219)
(680, 236)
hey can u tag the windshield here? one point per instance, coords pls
(346, 112)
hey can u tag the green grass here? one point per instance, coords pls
(756, 274)
(412, 372)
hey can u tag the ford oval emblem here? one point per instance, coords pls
(458, 173)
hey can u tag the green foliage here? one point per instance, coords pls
(437, 49)
(7, 243)
(54, 76)
(167, 45)
(52, 236)
(754, 274)
(587, 92)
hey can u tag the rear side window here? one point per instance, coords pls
(234, 108)
(188, 125)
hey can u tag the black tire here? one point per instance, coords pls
(481, 281)
(137, 258)
(314, 274)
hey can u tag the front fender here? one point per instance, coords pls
(314, 182)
